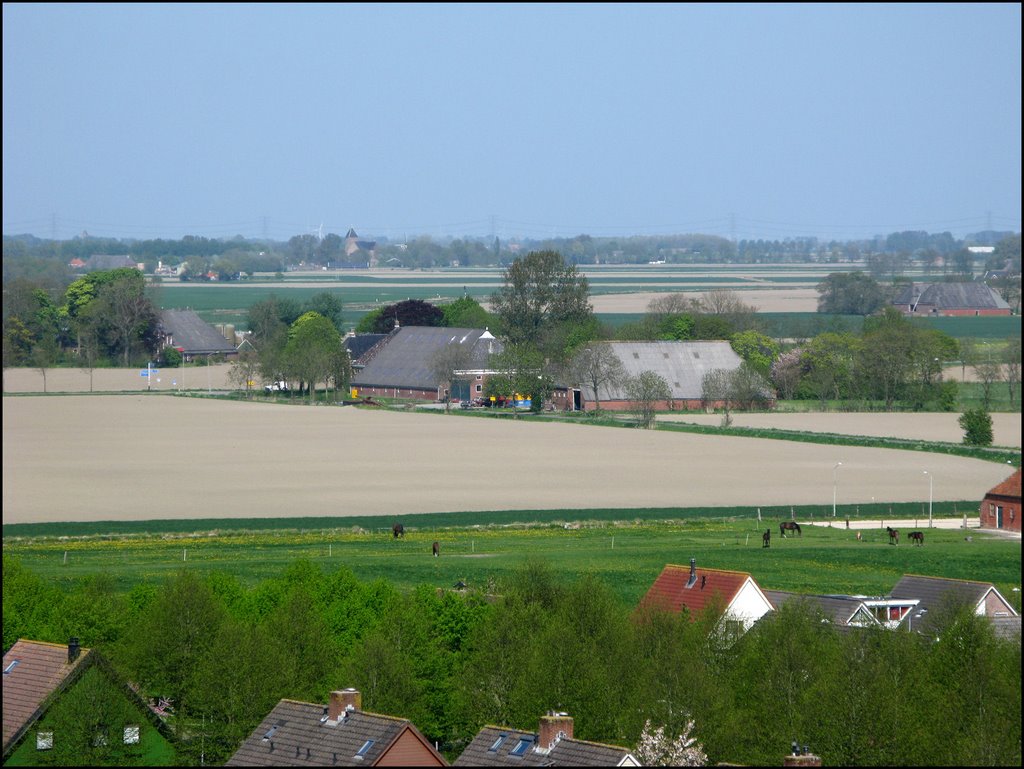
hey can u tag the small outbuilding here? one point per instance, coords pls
(1000, 509)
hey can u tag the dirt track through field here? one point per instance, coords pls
(156, 456)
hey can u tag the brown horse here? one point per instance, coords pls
(894, 535)
(437, 549)
(398, 530)
(766, 538)
(917, 537)
(790, 526)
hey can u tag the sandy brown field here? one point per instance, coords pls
(925, 427)
(155, 456)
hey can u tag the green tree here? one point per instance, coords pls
(646, 390)
(757, 349)
(850, 293)
(977, 427)
(313, 350)
(466, 312)
(245, 369)
(328, 305)
(541, 294)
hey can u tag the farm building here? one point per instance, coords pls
(841, 611)
(933, 299)
(1001, 507)
(736, 593)
(112, 262)
(936, 596)
(401, 366)
(191, 335)
(362, 347)
(551, 745)
(63, 704)
(338, 734)
(681, 364)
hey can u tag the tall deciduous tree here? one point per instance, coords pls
(598, 366)
(313, 350)
(850, 293)
(541, 294)
(448, 364)
(646, 390)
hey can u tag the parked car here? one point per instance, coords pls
(276, 387)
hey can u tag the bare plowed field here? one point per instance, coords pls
(924, 427)
(154, 456)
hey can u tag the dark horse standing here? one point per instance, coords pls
(894, 535)
(398, 530)
(789, 526)
(917, 537)
(766, 538)
(437, 549)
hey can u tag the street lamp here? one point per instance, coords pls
(835, 487)
(930, 476)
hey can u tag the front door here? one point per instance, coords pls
(999, 516)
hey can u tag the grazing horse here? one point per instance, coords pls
(894, 535)
(398, 530)
(790, 526)
(917, 537)
(766, 538)
(437, 549)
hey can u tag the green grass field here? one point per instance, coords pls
(626, 554)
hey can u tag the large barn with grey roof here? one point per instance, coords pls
(191, 335)
(682, 365)
(931, 299)
(401, 365)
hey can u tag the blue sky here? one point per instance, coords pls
(517, 120)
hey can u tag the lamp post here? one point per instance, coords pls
(930, 476)
(835, 487)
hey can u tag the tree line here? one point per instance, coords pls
(454, 660)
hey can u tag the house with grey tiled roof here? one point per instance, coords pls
(552, 744)
(337, 734)
(936, 596)
(191, 335)
(841, 611)
(935, 299)
(39, 676)
(401, 366)
(682, 365)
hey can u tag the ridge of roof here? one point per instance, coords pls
(707, 568)
(948, 579)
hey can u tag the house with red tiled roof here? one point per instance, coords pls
(1000, 509)
(735, 593)
(65, 705)
(340, 733)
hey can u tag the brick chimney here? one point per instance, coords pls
(73, 650)
(340, 702)
(553, 727)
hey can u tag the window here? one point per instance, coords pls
(479, 388)
(12, 666)
(131, 735)
(497, 743)
(44, 740)
(365, 749)
(521, 746)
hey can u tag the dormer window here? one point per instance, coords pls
(365, 749)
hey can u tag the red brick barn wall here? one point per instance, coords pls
(1011, 513)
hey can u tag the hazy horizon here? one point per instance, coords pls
(531, 121)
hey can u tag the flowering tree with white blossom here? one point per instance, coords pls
(655, 748)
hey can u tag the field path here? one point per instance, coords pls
(156, 457)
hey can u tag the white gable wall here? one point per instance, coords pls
(749, 605)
